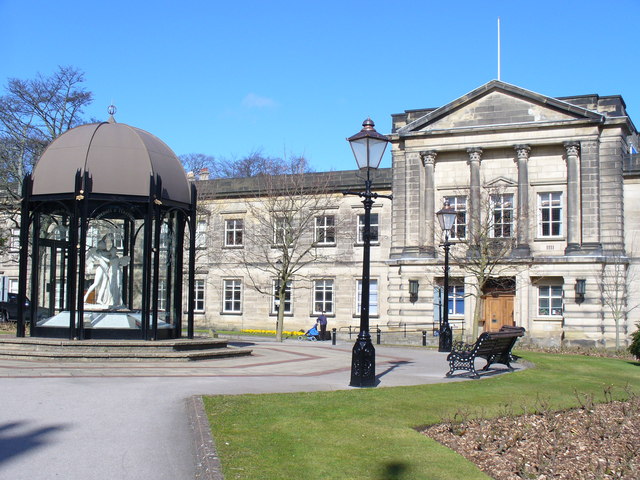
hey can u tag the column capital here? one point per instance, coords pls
(428, 157)
(573, 148)
(522, 152)
(475, 154)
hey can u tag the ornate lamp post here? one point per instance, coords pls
(446, 218)
(368, 147)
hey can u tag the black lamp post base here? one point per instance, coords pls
(445, 339)
(363, 363)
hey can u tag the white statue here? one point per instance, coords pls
(107, 282)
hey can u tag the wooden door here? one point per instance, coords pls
(498, 311)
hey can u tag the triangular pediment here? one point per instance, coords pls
(499, 103)
(500, 183)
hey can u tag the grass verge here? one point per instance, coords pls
(371, 433)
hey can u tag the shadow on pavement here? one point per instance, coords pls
(393, 366)
(15, 444)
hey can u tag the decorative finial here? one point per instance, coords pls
(111, 110)
(368, 124)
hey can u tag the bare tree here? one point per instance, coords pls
(198, 164)
(280, 235)
(32, 114)
(254, 164)
(484, 249)
(615, 276)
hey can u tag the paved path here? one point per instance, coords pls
(126, 421)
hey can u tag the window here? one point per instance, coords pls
(373, 297)
(373, 230)
(455, 300)
(459, 204)
(232, 296)
(287, 297)
(199, 296)
(502, 220)
(550, 300)
(13, 285)
(323, 296)
(550, 214)
(165, 237)
(118, 240)
(325, 230)
(14, 241)
(162, 296)
(92, 236)
(282, 231)
(233, 232)
(201, 234)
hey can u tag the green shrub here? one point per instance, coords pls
(634, 348)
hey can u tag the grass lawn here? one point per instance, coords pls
(371, 433)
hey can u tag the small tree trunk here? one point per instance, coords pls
(280, 322)
(477, 313)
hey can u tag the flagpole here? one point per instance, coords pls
(498, 48)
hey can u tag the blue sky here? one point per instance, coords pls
(298, 77)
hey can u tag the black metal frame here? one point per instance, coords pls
(76, 210)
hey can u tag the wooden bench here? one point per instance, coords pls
(494, 347)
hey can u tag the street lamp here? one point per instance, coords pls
(446, 218)
(368, 147)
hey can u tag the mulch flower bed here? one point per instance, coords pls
(591, 442)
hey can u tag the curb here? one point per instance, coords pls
(207, 462)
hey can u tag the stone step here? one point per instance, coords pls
(118, 350)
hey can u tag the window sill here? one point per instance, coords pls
(549, 318)
(231, 313)
(549, 239)
(372, 244)
(233, 247)
(324, 245)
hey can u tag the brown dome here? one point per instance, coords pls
(120, 159)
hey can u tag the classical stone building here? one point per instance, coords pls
(548, 186)
(546, 174)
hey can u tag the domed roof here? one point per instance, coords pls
(120, 159)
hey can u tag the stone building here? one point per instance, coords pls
(552, 184)
(547, 174)
(239, 219)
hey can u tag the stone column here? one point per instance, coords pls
(573, 196)
(413, 204)
(474, 207)
(398, 206)
(428, 161)
(523, 226)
